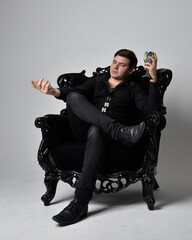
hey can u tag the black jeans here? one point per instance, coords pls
(88, 122)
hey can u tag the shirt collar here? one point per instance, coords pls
(106, 78)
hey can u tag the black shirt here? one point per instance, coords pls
(125, 102)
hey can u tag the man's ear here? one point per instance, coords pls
(132, 70)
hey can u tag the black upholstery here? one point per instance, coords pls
(62, 157)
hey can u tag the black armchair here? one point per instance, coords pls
(61, 157)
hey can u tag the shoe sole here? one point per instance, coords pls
(54, 218)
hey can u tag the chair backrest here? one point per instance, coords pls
(164, 76)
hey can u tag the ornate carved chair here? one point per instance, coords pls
(61, 157)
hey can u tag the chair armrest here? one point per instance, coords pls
(54, 127)
(155, 123)
(155, 120)
(164, 78)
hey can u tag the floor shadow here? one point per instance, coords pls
(122, 198)
(173, 192)
(62, 199)
(174, 166)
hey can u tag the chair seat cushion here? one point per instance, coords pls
(69, 155)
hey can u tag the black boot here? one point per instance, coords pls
(131, 134)
(73, 213)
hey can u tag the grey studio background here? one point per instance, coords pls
(42, 38)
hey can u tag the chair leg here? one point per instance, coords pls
(51, 184)
(148, 184)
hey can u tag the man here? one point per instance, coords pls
(101, 110)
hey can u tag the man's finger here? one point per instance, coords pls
(47, 85)
(44, 84)
(147, 64)
(40, 81)
(33, 84)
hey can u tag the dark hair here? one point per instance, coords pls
(128, 54)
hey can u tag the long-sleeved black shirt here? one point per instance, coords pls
(125, 102)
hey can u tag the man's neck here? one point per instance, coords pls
(114, 82)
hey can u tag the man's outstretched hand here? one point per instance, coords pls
(45, 87)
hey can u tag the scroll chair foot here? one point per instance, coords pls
(47, 198)
(150, 200)
(51, 185)
(148, 185)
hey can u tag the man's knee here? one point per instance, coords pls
(95, 132)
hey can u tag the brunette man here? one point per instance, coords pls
(100, 110)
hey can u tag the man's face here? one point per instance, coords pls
(119, 69)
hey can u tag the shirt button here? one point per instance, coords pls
(106, 104)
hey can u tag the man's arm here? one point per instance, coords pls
(85, 89)
(61, 93)
(45, 87)
(152, 101)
